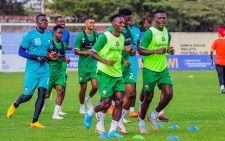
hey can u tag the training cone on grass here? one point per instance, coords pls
(173, 126)
(104, 136)
(159, 125)
(192, 128)
(172, 137)
(139, 137)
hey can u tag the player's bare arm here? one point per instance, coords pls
(98, 58)
(79, 52)
(143, 51)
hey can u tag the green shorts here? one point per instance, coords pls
(57, 80)
(35, 80)
(150, 78)
(64, 68)
(128, 76)
(85, 74)
(108, 85)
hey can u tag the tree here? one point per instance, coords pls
(11, 7)
(99, 9)
(183, 15)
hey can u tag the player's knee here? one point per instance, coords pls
(60, 91)
(42, 92)
(169, 95)
(83, 88)
(107, 105)
(119, 103)
(148, 98)
(131, 95)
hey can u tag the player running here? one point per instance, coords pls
(59, 21)
(34, 47)
(57, 73)
(154, 46)
(87, 65)
(148, 22)
(108, 51)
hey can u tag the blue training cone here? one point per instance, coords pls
(192, 128)
(159, 125)
(173, 126)
(172, 137)
(104, 136)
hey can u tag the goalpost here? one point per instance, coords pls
(11, 35)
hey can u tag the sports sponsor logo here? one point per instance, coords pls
(104, 91)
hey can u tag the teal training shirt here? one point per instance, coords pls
(37, 44)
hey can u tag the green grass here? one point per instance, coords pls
(196, 101)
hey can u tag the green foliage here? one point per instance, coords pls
(183, 15)
(101, 10)
(11, 7)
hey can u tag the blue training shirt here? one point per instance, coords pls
(134, 63)
(36, 44)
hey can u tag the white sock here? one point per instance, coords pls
(124, 112)
(82, 106)
(56, 111)
(221, 87)
(161, 112)
(88, 98)
(113, 102)
(140, 103)
(131, 109)
(91, 111)
(102, 117)
(154, 114)
(113, 126)
(141, 122)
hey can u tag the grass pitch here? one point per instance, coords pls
(197, 101)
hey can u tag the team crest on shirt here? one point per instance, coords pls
(146, 86)
(26, 89)
(163, 38)
(80, 78)
(117, 43)
(49, 41)
(104, 91)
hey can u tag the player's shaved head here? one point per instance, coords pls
(115, 16)
(127, 15)
(117, 22)
(160, 19)
(57, 17)
(57, 27)
(159, 12)
(40, 15)
(59, 20)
